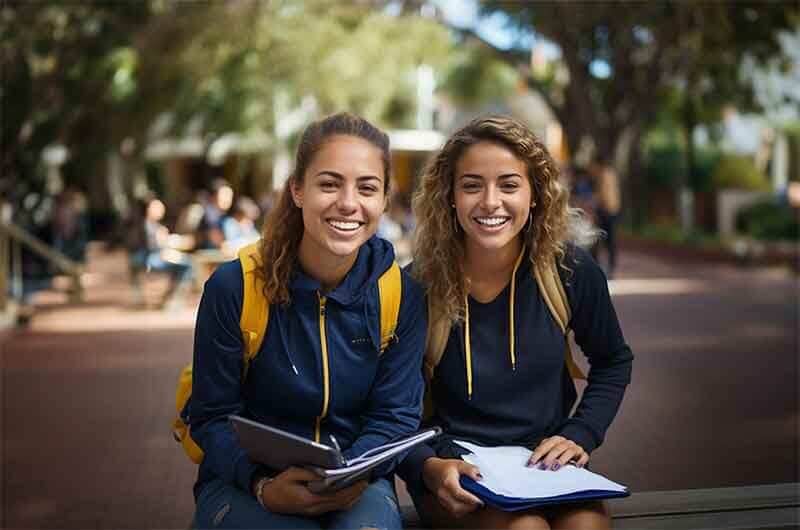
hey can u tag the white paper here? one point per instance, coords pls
(505, 473)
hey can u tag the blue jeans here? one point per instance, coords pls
(222, 505)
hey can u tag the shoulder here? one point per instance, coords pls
(411, 286)
(226, 284)
(580, 274)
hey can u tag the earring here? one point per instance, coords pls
(529, 224)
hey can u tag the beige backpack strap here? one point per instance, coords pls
(255, 306)
(556, 299)
(438, 333)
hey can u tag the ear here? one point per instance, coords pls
(297, 192)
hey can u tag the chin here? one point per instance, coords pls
(343, 249)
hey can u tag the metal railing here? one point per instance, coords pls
(12, 239)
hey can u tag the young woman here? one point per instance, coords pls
(489, 209)
(320, 378)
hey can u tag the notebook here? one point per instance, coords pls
(278, 449)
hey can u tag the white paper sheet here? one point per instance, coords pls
(504, 472)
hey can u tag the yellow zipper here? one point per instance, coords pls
(325, 375)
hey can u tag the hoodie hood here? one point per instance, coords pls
(374, 258)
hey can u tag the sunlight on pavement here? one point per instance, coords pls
(654, 286)
(77, 319)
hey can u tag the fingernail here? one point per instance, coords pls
(480, 476)
(542, 466)
(556, 466)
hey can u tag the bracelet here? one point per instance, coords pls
(259, 489)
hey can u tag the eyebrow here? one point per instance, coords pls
(500, 177)
(339, 176)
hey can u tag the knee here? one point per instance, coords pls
(528, 522)
(591, 517)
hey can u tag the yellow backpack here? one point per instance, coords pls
(555, 297)
(253, 324)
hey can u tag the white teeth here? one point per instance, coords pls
(491, 221)
(345, 225)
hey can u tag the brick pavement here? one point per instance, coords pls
(87, 393)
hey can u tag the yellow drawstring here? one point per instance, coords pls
(467, 348)
(512, 349)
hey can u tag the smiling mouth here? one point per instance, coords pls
(345, 226)
(491, 222)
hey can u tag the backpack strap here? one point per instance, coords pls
(556, 299)
(255, 306)
(390, 290)
(438, 333)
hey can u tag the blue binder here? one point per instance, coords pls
(513, 504)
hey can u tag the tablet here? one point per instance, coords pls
(279, 449)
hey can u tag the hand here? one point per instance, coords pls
(556, 452)
(289, 494)
(441, 476)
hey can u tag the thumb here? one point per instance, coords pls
(470, 470)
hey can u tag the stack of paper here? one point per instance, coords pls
(508, 484)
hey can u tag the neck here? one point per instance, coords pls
(328, 271)
(481, 264)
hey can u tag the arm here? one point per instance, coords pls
(598, 333)
(216, 379)
(395, 400)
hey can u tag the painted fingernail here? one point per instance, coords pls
(556, 466)
(542, 466)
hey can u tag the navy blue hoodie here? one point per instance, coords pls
(371, 398)
(522, 399)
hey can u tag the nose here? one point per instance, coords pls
(491, 198)
(346, 202)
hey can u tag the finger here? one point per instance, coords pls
(570, 455)
(583, 460)
(452, 505)
(550, 460)
(543, 448)
(459, 494)
(470, 470)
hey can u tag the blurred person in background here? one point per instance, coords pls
(191, 215)
(155, 254)
(210, 234)
(70, 224)
(608, 203)
(239, 228)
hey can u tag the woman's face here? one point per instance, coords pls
(492, 195)
(342, 197)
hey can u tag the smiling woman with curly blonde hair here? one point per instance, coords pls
(492, 220)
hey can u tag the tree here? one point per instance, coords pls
(620, 58)
(90, 75)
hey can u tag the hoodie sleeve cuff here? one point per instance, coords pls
(410, 469)
(580, 435)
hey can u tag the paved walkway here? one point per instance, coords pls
(87, 394)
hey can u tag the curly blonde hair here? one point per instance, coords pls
(439, 244)
(283, 229)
